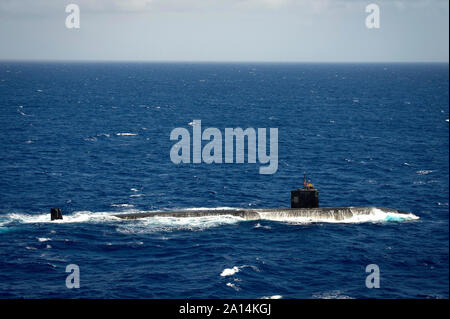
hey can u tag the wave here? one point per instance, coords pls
(231, 285)
(272, 297)
(335, 294)
(424, 172)
(229, 271)
(126, 134)
(258, 225)
(122, 205)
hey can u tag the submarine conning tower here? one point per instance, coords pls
(55, 214)
(306, 197)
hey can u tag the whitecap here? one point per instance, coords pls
(122, 205)
(126, 134)
(335, 294)
(424, 172)
(229, 271)
(22, 113)
(229, 284)
(258, 225)
(104, 134)
(272, 297)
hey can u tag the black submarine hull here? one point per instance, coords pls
(325, 213)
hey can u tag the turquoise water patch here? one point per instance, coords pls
(5, 230)
(394, 219)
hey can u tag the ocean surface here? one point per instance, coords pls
(94, 140)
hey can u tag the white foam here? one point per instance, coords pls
(210, 208)
(229, 284)
(258, 225)
(126, 134)
(104, 134)
(372, 215)
(424, 172)
(76, 217)
(168, 224)
(43, 239)
(235, 269)
(335, 294)
(229, 271)
(272, 297)
(122, 205)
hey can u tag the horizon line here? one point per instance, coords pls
(213, 61)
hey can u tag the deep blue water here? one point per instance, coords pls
(367, 135)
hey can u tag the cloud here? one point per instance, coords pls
(270, 4)
(46, 7)
(225, 30)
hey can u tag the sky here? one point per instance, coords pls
(225, 30)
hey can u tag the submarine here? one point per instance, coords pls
(304, 205)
